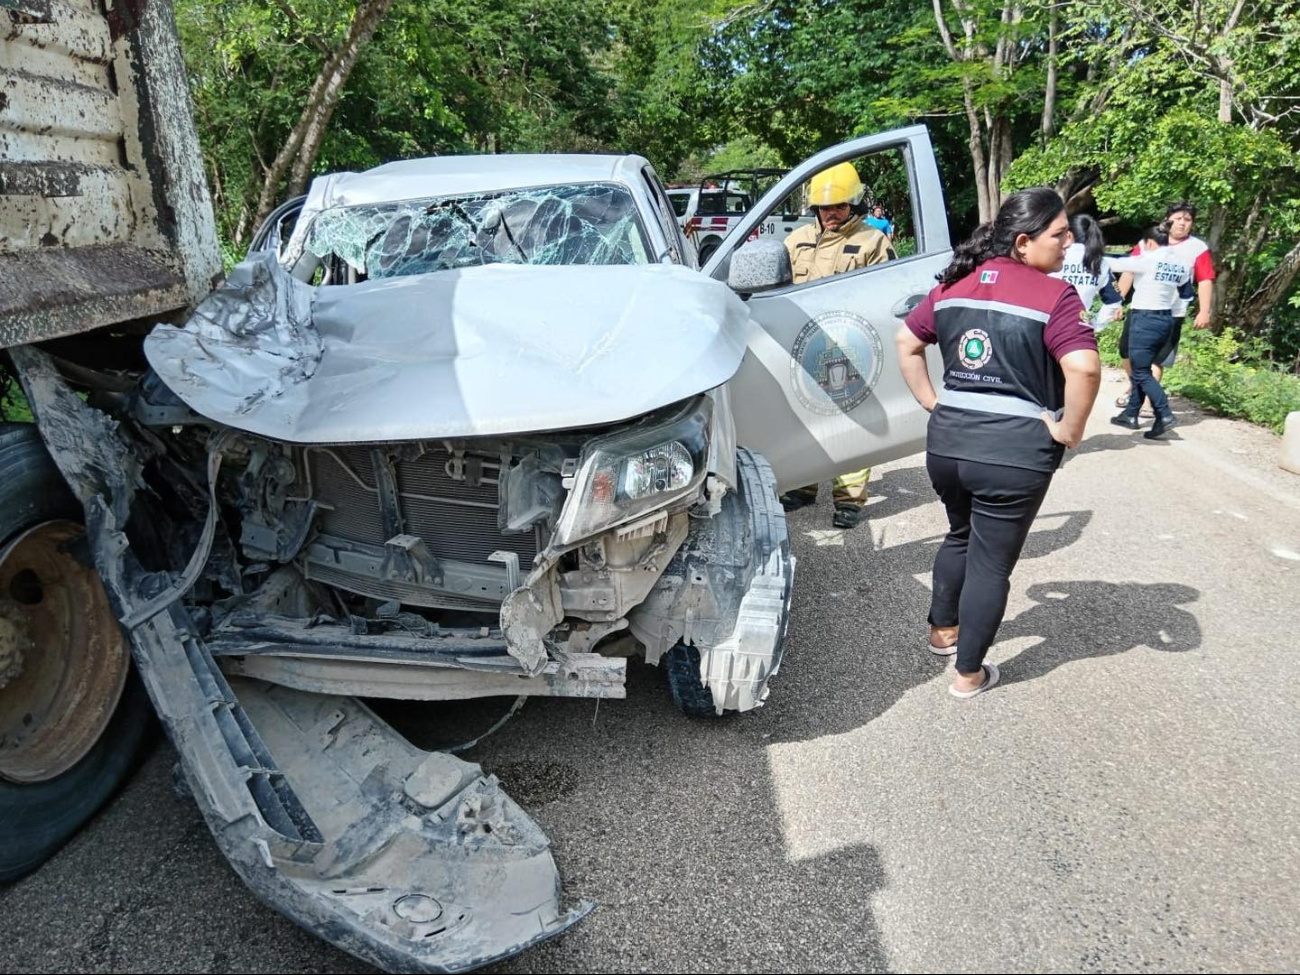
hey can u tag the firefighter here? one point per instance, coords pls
(841, 241)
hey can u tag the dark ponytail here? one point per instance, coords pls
(969, 254)
(1088, 233)
(1027, 212)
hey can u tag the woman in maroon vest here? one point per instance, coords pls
(1020, 375)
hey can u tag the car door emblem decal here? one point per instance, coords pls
(836, 362)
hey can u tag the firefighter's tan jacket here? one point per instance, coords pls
(815, 253)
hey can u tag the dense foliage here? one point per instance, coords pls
(1123, 105)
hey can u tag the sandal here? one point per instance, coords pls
(991, 676)
(939, 651)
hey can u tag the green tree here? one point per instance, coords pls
(668, 85)
(274, 106)
(804, 76)
(1203, 108)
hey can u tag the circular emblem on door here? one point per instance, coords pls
(976, 348)
(835, 362)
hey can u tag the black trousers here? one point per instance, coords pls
(1168, 352)
(1147, 341)
(990, 508)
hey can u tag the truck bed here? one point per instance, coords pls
(105, 216)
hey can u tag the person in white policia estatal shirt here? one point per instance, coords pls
(1160, 281)
(1088, 269)
(1193, 252)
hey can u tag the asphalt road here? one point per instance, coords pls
(1128, 798)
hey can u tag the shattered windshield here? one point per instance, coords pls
(579, 223)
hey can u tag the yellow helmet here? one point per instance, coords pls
(839, 184)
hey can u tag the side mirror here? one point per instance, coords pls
(759, 265)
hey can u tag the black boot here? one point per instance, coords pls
(1164, 423)
(1126, 419)
(846, 516)
(794, 500)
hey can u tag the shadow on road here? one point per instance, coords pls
(1079, 620)
(1121, 441)
(899, 490)
(858, 630)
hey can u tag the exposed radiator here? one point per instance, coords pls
(456, 519)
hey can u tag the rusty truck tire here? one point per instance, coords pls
(48, 789)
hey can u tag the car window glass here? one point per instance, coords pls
(715, 203)
(665, 213)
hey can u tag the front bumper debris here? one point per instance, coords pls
(739, 631)
(411, 860)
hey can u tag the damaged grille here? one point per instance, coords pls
(449, 502)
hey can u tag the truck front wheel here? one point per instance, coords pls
(73, 716)
(748, 541)
(682, 666)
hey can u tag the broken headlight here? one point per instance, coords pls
(637, 470)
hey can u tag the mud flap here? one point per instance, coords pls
(410, 860)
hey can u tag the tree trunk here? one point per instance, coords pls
(995, 163)
(1007, 155)
(1225, 101)
(241, 226)
(1226, 280)
(1218, 226)
(979, 162)
(1225, 66)
(1273, 288)
(1001, 154)
(1075, 188)
(303, 143)
(1048, 127)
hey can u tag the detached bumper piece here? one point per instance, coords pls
(458, 665)
(737, 668)
(411, 860)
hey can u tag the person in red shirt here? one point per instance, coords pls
(1021, 371)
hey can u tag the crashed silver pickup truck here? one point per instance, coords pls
(456, 428)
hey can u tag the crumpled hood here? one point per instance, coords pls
(484, 351)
